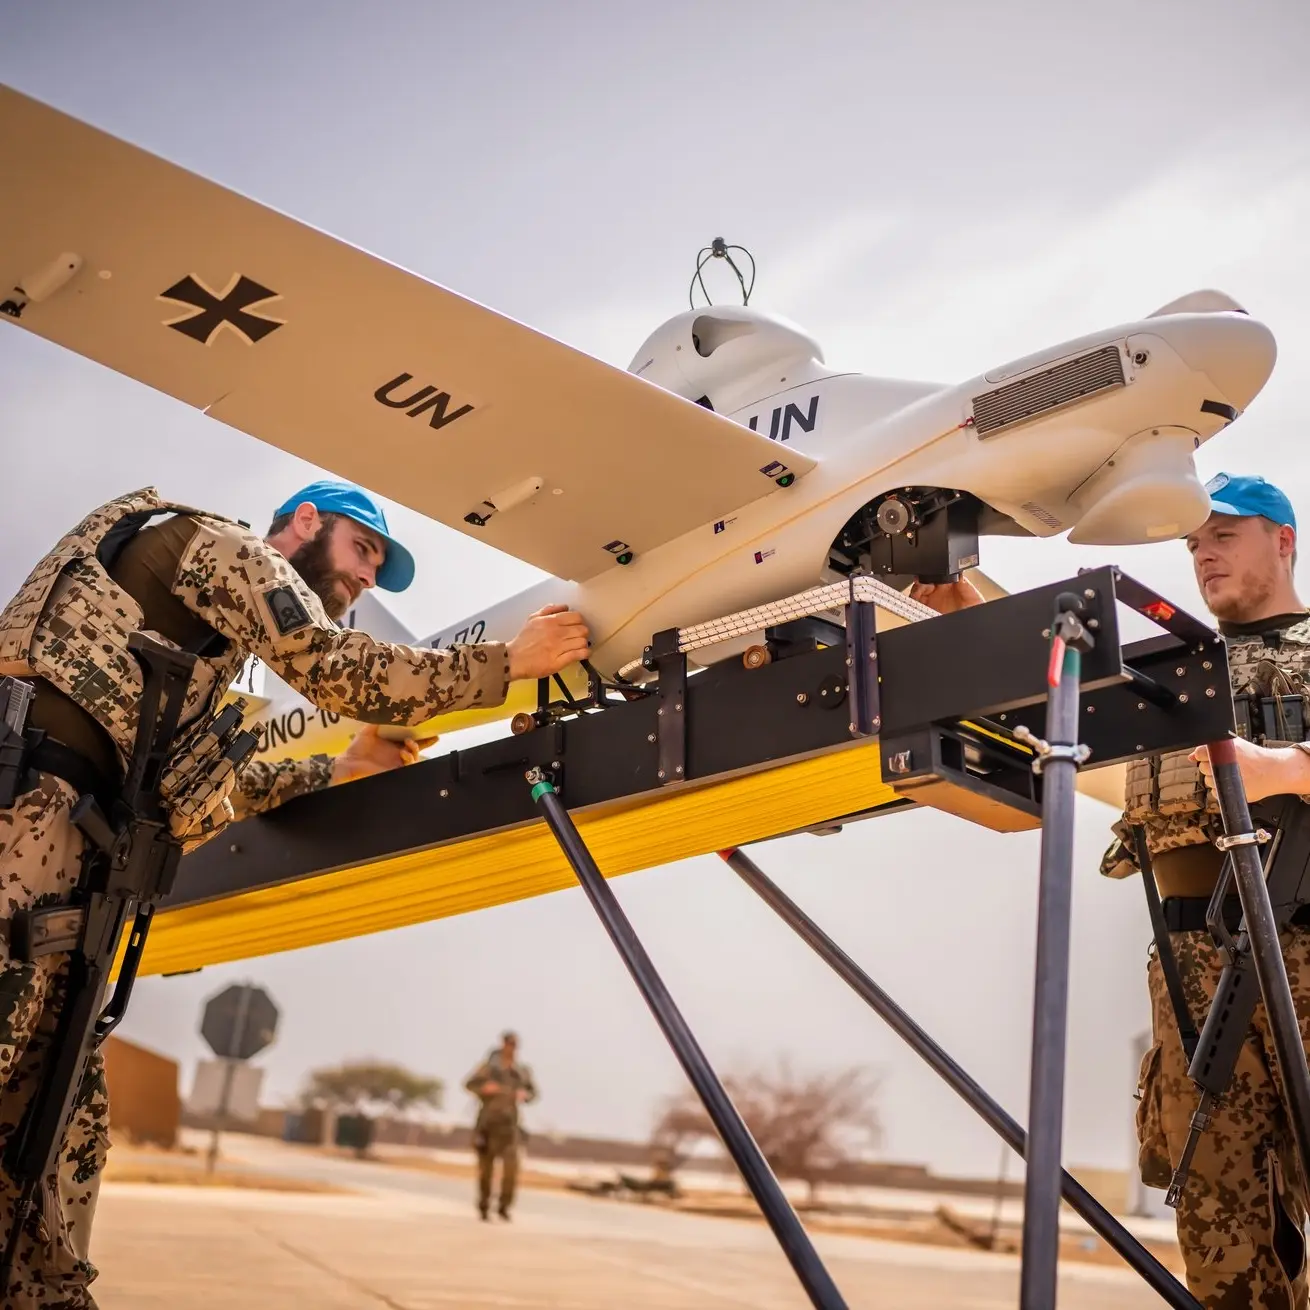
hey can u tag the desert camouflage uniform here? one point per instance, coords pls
(496, 1134)
(1240, 1216)
(265, 784)
(68, 626)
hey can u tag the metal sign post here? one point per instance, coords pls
(237, 1023)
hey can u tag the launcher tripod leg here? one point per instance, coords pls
(1157, 1277)
(787, 1228)
(1058, 759)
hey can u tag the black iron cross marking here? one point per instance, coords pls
(212, 311)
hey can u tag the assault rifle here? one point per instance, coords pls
(129, 863)
(1228, 1024)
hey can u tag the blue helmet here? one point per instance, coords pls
(397, 569)
(1247, 497)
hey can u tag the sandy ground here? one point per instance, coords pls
(409, 1239)
(946, 1221)
(934, 1220)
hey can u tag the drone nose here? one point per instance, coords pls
(1235, 352)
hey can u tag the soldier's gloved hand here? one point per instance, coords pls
(552, 638)
(371, 753)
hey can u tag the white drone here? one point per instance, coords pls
(756, 472)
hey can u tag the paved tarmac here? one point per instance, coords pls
(412, 1241)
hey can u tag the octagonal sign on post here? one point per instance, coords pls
(239, 1022)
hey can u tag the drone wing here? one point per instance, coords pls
(352, 363)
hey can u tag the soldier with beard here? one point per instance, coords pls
(211, 587)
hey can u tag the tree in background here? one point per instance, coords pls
(366, 1084)
(681, 1126)
(806, 1126)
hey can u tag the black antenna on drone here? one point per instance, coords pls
(717, 249)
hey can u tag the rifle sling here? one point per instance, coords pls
(1173, 979)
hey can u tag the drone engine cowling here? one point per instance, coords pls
(727, 356)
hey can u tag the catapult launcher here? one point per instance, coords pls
(988, 714)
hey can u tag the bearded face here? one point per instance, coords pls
(319, 563)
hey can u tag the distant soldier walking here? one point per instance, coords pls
(501, 1084)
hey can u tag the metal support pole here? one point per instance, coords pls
(1266, 950)
(1157, 1277)
(999, 1200)
(229, 1072)
(1058, 759)
(781, 1218)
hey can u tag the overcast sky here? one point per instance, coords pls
(929, 189)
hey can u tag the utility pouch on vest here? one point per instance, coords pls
(1267, 719)
(203, 770)
(15, 702)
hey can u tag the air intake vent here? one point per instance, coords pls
(1066, 383)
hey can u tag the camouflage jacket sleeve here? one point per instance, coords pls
(246, 590)
(264, 784)
(480, 1075)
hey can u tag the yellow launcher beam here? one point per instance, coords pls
(509, 866)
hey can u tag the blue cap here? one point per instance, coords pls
(1246, 497)
(397, 569)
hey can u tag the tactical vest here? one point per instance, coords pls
(69, 624)
(1167, 794)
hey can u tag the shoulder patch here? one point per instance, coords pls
(288, 611)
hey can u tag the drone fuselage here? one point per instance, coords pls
(1114, 466)
(1051, 474)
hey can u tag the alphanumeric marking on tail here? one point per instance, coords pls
(212, 311)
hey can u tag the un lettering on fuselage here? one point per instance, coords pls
(784, 416)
